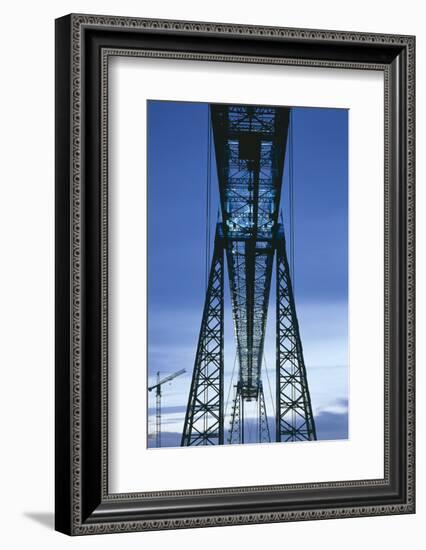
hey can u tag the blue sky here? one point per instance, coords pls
(177, 175)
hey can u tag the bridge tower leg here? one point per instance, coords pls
(204, 414)
(264, 435)
(236, 432)
(294, 417)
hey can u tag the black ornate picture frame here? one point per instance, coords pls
(84, 43)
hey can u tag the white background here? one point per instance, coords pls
(132, 466)
(26, 302)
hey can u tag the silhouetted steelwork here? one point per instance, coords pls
(263, 435)
(204, 414)
(294, 418)
(250, 145)
(236, 432)
(157, 388)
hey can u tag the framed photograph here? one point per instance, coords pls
(234, 274)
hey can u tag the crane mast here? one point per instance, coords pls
(157, 388)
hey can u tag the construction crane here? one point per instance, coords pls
(157, 388)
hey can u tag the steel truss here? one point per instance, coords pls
(236, 432)
(204, 414)
(250, 144)
(263, 435)
(294, 418)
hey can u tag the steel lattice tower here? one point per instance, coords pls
(250, 145)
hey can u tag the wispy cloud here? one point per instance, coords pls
(329, 426)
(324, 335)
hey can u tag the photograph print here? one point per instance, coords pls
(247, 274)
